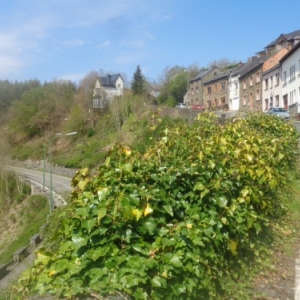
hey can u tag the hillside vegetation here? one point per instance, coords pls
(183, 220)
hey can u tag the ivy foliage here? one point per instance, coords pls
(173, 222)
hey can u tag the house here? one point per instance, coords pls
(153, 89)
(290, 78)
(216, 92)
(195, 93)
(106, 88)
(251, 84)
(271, 81)
(288, 41)
(234, 87)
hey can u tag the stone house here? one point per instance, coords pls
(196, 89)
(251, 84)
(216, 92)
(271, 78)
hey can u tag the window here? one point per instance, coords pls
(250, 81)
(271, 82)
(266, 84)
(192, 91)
(277, 100)
(292, 72)
(257, 95)
(197, 89)
(257, 77)
(291, 97)
(267, 104)
(209, 90)
(216, 88)
(277, 79)
(244, 100)
(96, 103)
(244, 84)
(284, 77)
(223, 85)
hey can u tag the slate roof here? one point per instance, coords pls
(252, 64)
(226, 73)
(218, 76)
(288, 36)
(110, 80)
(202, 74)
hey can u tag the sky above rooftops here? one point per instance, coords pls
(66, 39)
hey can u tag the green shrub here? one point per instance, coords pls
(172, 223)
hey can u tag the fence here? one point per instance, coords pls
(21, 253)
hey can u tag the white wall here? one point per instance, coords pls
(234, 97)
(271, 93)
(291, 85)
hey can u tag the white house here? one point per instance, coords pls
(106, 88)
(271, 81)
(234, 91)
(290, 77)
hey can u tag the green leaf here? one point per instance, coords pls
(175, 261)
(89, 224)
(168, 209)
(159, 282)
(199, 186)
(150, 225)
(101, 214)
(222, 201)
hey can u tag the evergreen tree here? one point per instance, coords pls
(138, 82)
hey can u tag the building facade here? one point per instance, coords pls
(195, 92)
(290, 77)
(271, 81)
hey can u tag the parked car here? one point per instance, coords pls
(180, 105)
(198, 107)
(279, 112)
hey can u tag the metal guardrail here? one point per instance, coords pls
(20, 254)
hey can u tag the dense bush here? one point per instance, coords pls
(174, 222)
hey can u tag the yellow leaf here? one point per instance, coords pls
(126, 150)
(137, 213)
(148, 210)
(52, 272)
(200, 155)
(189, 226)
(232, 245)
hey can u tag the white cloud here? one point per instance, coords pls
(135, 43)
(72, 43)
(10, 66)
(104, 45)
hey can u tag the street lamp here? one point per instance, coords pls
(50, 162)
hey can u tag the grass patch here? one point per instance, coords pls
(33, 216)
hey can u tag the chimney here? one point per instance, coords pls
(108, 79)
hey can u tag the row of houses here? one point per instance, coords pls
(270, 78)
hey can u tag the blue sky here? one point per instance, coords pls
(66, 39)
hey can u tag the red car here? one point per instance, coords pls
(198, 107)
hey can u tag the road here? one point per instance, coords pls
(60, 184)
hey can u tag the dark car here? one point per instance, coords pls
(198, 107)
(279, 112)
